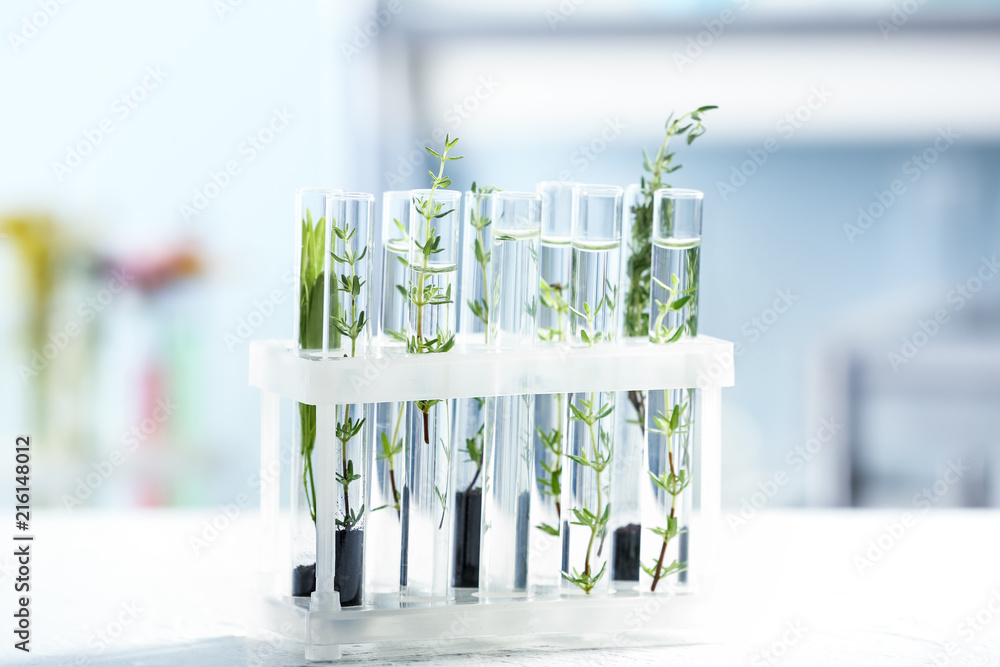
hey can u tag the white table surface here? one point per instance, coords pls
(789, 569)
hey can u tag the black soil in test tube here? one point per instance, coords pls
(349, 574)
(468, 516)
(625, 566)
(304, 580)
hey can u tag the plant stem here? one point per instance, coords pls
(428, 217)
(666, 535)
(308, 471)
(392, 470)
(343, 463)
(638, 400)
(562, 429)
(395, 493)
(473, 482)
(594, 444)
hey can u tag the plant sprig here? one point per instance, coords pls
(480, 307)
(677, 299)
(598, 458)
(351, 284)
(420, 294)
(310, 338)
(552, 298)
(474, 449)
(391, 448)
(690, 126)
(346, 431)
(550, 484)
(673, 482)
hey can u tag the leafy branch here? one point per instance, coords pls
(677, 299)
(550, 484)
(552, 298)
(689, 126)
(474, 448)
(350, 284)
(420, 294)
(479, 307)
(346, 431)
(597, 459)
(310, 338)
(673, 482)
(390, 450)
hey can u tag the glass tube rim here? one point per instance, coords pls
(325, 191)
(519, 195)
(679, 193)
(601, 190)
(352, 196)
(478, 194)
(556, 184)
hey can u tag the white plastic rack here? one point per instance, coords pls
(466, 621)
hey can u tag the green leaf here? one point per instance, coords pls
(546, 528)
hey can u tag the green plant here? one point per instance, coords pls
(350, 325)
(346, 430)
(551, 297)
(310, 337)
(474, 449)
(443, 494)
(639, 264)
(673, 481)
(690, 126)
(677, 299)
(550, 484)
(420, 293)
(479, 307)
(391, 448)
(598, 458)
(589, 333)
(351, 284)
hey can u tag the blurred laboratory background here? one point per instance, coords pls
(151, 152)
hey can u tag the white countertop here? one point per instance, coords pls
(791, 581)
